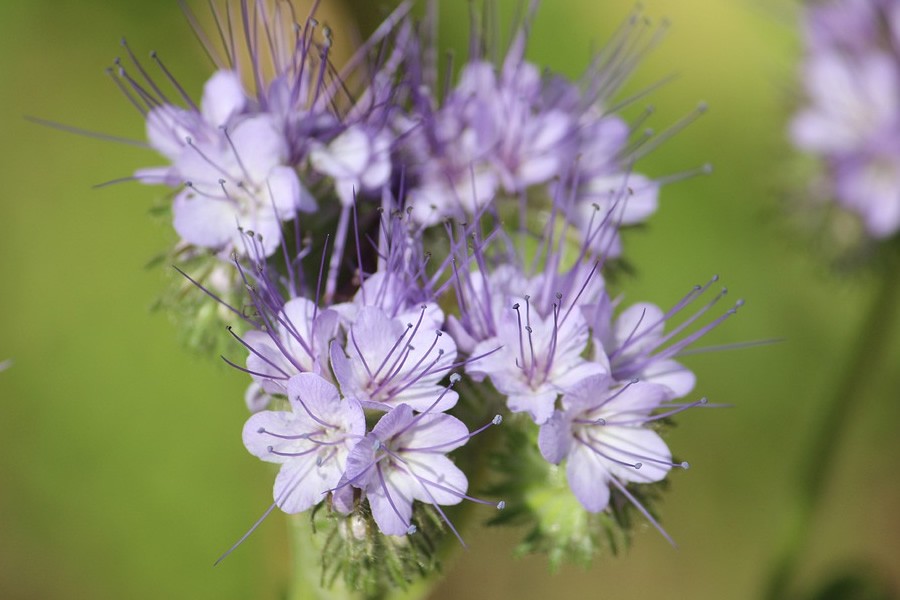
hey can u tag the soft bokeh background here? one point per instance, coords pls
(122, 474)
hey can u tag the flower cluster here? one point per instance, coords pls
(851, 116)
(388, 306)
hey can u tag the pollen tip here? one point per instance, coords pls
(685, 465)
(497, 419)
(270, 449)
(261, 430)
(455, 377)
(638, 465)
(501, 505)
(411, 529)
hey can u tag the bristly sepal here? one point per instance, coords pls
(356, 554)
(199, 289)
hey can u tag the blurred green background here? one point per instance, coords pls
(122, 474)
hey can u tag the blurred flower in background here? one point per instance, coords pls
(850, 117)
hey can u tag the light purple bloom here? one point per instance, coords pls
(602, 435)
(539, 358)
(630, 341)
(233, 168)
(238, 180)
(503, 130)
(387, 362)
(402, 460)
(636, 345)
(295, 341)
(356, 160)
(854, 101)
(311, 441)
(851, 117)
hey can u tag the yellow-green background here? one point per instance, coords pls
(122, 474)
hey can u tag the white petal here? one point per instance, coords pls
(588, 479)
(223, 97)
(202, 221)
(260, 147)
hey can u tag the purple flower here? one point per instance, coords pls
(233, 166)
(602, 435)
(295, 341)
(851, 117)
(402, 460)
(311, 441)
(387, 362)
(635, 345)
(238, 180)
(356, 160)
(539, 358)
(853, 101)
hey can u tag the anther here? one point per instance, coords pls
(685, 465)
(411, 530)
(454, 378)
(501, 505)
(638, 465)
(497, 419)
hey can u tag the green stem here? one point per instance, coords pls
(306, 564)
(820, 454)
